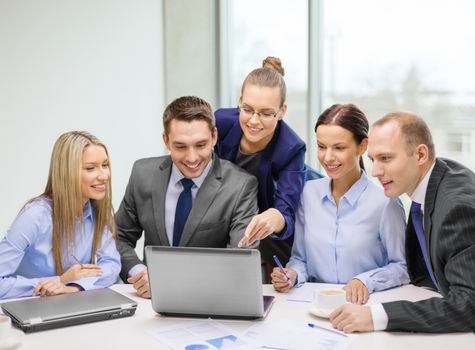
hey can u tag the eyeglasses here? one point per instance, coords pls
(248, 112)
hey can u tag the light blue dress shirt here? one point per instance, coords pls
(26, 252)
(362, 238)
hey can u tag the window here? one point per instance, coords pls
(406, 55)
(382, 56)
(458, 145)
(251, 31)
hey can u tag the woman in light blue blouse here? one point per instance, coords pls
(347, 231)
(63, 241)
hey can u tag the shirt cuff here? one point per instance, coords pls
(85, 283)
(299, 282)
(380, 317)
(366, 280)
(136, 269)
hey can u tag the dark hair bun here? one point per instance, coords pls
(273, 63)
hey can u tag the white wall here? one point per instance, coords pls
(191, 49)
(92, 65)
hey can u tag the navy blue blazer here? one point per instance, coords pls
(282, 172)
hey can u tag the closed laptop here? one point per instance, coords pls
(206, 282)
(36, 314)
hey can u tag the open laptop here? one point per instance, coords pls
(35, 314)
(206, 282)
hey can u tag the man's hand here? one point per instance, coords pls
(263, 225)
(356, 292)
(53, 287)
(140, 282)
(351, 318)
(280, 281)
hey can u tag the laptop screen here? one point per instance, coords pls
(206, 282)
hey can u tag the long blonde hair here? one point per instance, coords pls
(64, 190)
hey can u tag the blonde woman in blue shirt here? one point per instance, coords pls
(63, 241)
(347, 231)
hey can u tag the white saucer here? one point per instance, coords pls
(13, 339)
(314, 310)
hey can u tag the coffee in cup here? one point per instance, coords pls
(328, 300)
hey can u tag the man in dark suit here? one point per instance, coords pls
(440, 235)
(189, 198)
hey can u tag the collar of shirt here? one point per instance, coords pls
(88, 210)
(176, 175)
(419, 194)
(352, 194)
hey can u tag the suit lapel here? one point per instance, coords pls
(159, 191)
(230, 145)
(205, 196)
(434, 181)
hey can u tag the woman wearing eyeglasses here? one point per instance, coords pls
(255, 137)
(63, 241)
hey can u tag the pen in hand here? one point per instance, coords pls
(77, 260)
(281, 268)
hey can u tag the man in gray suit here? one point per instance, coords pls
(440, 235)
(189, 198)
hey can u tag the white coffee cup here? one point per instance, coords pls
(328, 300)
(5, 326)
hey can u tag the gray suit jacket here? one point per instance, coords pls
(449, 225)
(221, 211)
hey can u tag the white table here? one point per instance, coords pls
(131, 332)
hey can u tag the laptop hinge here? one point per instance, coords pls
(35, 320)
(126, 306)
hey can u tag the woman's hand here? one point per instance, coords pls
(53, 287)
(263, 225)
(78, 271)
(280, 281)
(356, 292)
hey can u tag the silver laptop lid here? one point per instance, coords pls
(216, 282)
(44, 309)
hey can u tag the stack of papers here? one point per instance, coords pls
(286, 334)
(201, 335)
(281, 335)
